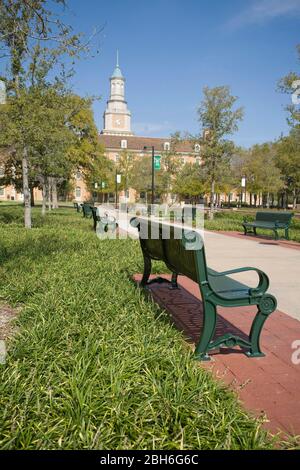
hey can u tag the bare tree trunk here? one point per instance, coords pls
(26, 190)
(49, 193)
(294, 199)
(285, 200)
(212, 200)
(44, 194)
(32, 196)
(54, 194)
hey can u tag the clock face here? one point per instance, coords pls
(118, 122)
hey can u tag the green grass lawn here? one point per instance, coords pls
(95, 365)
(232, 221)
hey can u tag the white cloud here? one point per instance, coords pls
(262, 11)
(147, 128)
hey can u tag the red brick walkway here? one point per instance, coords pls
(266, 386)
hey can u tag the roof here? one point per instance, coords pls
(138, 143)
(117, 73)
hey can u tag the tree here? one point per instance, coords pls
(86, 154)
(190, 182)
(125, 166)
(25, 25)
(218, 119)
(141, 174)
(290, 84)
(170, 167)
(262, 172)
(288, 161)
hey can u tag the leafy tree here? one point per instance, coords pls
(26, 27)
(170, 166)
(141, 174)
(288, 161)
(218, 119)
(190, 182)
(261, 164)
(125, 167)
(86, 154)
(290, 84)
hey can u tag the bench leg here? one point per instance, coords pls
(266, 306)
(287, 236)
(174, 284)
(276, 235)
(147, 270)
(245, 230)
(254, 231)
(209, 327)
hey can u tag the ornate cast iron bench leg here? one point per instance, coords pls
(209, 327)
(147, 270)
(287, 236)
(174, 284)
(266, 306)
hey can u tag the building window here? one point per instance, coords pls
(78, 192)
(78, 175)
(124, 144)
(198, 161)
(1, 192)
(167, 146)
(197, 148)
(117, 158)
(1, 171)
(183, 161)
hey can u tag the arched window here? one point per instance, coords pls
(197, 148)
(124, 144)
(78, 192)
(167, 146)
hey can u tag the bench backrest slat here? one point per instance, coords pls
(87, 209)
(281, 217)
(172, 249)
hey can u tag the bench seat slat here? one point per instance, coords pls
(228, 287)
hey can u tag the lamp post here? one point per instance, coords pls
(95, 192)
(243, 184)
(118, 181)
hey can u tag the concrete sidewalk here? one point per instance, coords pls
(281, 264)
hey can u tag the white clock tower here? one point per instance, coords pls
(117, 118)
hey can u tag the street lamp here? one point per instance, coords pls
(152, 184)
(118, 181)
(243, 184)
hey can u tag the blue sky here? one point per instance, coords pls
(171, 49)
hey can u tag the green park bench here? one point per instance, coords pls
(105, 222)
(87, 210)
(186, 256)
(96, 217)
(271, 221)
(77, 206)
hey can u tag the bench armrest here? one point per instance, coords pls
(263, 279)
